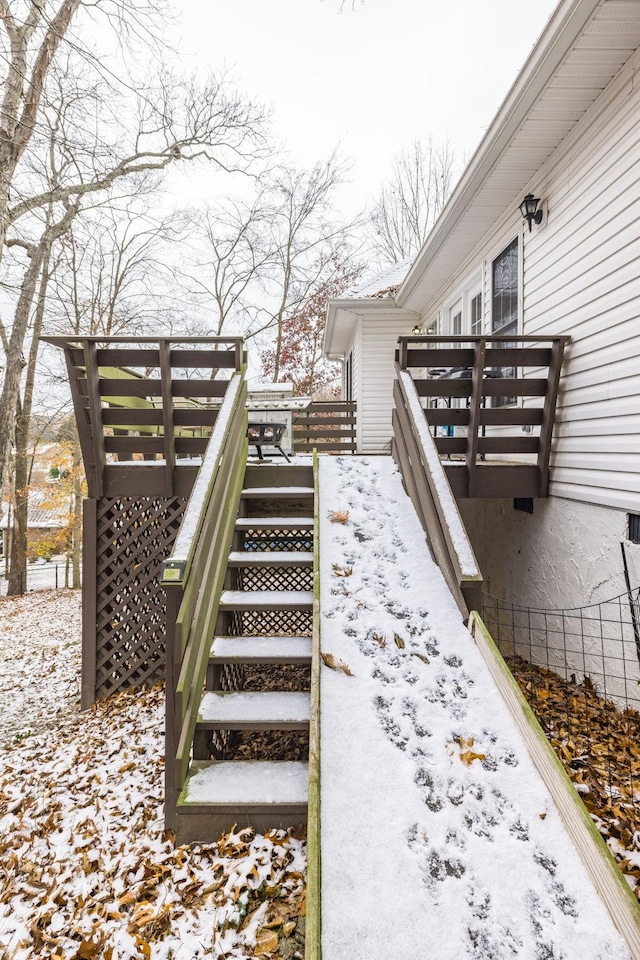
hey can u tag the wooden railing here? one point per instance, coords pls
(487, 376)
(328, 426)
(425, 480)
(146, 399)
(193, 578)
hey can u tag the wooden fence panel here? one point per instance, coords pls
(328, 426)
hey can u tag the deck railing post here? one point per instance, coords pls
(475, 402)
(548, 414)
(167, 416)
(403, 352)
(172, 665)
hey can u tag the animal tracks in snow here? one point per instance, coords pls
(422, 695)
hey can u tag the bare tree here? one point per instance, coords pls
(411, 200)
(268, 257)
(113, 276)
(307, 239)
(177, 122)
(236, 256)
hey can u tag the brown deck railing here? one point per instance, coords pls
(193, 577)
(146, 399)
(502, 391)
(329, 426)
(415, 453)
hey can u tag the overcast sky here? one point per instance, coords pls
(371, 79)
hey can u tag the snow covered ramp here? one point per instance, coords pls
(438, 836)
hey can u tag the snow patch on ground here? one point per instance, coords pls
(40, 657)
(86, 870)
(438, 836)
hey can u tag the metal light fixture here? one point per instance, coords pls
(416, 331)
(529, 210)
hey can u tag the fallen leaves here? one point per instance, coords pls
(599, 747)
(338, 516)
(339, 571)
(87, 871)
(467, 754)
(330, 661)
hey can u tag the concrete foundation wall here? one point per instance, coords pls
(565, 555)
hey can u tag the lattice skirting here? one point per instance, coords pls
(124, 609)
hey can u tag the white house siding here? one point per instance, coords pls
(582, 277)
(379, 343)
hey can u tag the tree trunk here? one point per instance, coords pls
(18, 564)
(18, 575)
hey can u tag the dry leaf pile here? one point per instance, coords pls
(599, 746)
(87, 872)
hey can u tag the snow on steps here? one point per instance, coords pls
(274, 523)
(255, 710)
(280, 493)
(266, 600)
(270, 558)
(262, 794)
(254, 650)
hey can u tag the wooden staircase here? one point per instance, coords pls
(250, 746)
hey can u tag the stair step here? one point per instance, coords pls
(246, 783)
(254, 711)
(279, 493)
(274, 523)
(270, 558)
(266, 600)
(260, 650)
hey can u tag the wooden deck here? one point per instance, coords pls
(491, 401)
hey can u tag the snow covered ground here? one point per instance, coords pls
(85, 868)
(41, 575)
(438, 837)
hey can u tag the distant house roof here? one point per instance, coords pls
(380, 284)
(42, 515)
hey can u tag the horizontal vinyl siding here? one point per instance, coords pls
(379, 339)
(582, 278)
(356, 354)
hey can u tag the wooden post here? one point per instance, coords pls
(95, 413)
(548, 413)
(167, 417)
(171, 732)
(89, 602)
(474, 413)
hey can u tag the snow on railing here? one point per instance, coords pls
(431, 459)
(174, 568)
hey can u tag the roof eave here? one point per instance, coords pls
(561, 31)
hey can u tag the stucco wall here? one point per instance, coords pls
(565, 555)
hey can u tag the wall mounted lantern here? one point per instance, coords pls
(530, 212)
(416, 331)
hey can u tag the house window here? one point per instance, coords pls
(504, 301)
(634, 527)
(456, 320)
(476, 315)
(348, 377)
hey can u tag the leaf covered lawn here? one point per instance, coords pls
(86, 870)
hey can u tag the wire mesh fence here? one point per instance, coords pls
(54, 574)
(599, 642)
(580, 672)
